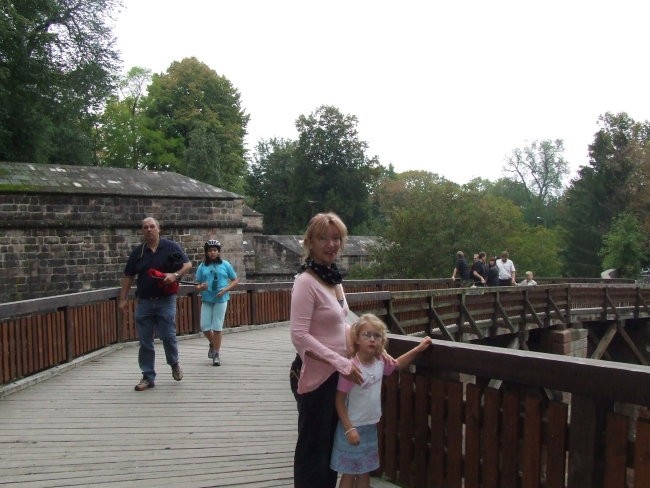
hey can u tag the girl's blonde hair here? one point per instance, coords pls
(372, 321)
(318, 226)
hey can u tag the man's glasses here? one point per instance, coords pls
(371, 335)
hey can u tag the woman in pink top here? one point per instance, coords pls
(319, 333)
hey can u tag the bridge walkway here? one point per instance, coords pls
(233, 425)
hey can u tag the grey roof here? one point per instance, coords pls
(61, 178)
(354, 245)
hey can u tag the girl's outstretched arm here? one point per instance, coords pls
(407, 358)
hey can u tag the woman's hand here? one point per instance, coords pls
(355, 375)
(202, 286)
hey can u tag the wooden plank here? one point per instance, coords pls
(436, 475)
(531, 445)
(472, 464)
(454, 434)
(616, 451)
(389, 420)
(510, 440)
(557, 414)
(490, 448)
(405, 441)
(421, 434)
(642, 454)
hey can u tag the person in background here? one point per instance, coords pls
(159, 264)
(507, 272)
(461, 270)
(215, 277)
(479, 270)
(529, 279)
(355, 453)
(493, 272)
(319, 332)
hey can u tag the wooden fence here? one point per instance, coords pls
(442, 427)
(555, 422)
(42, 333)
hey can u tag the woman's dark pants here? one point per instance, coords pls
(317, 420)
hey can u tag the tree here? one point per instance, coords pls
(540, 167)
(618, 163)
(428, 219)
(57, 66)
(269, 175)
(196, 125)
(332, 169)
(122, 124)
(623, 246)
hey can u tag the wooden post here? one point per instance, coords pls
(586, 449)
(69, 333)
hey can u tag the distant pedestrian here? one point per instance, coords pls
(159, 264)
(461, 270)
(479, 271)
(529, 281)
(493, 272)
(507, 272)
(215, 277)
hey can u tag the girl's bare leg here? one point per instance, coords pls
(347, 481)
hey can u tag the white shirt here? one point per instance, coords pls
(505, 269)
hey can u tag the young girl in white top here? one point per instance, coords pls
(355, 453)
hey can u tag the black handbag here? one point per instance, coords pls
(294, 375)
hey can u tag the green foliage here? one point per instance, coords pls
(57, 66)
(123, 123)
(540, 167)
(617, 170)
(332, 169)
(196, 125)
(429, 218)
(623, 246)
(270, 174)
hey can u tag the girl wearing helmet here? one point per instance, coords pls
(215, 277)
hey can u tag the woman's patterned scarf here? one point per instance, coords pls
(329, 274)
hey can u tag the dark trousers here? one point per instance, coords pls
(507, 282)
(317, 420)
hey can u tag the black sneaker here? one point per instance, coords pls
(216, 361)
(211, 352)
(144, 384)
(177, 372)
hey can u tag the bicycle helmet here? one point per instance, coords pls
(211, 243)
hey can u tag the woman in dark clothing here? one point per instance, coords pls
(493, 272)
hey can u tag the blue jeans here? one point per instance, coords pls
(156, 318)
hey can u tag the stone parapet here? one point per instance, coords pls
(567, 342)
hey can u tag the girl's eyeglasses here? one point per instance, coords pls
(371, 335)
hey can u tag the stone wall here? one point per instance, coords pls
(66, 229)
(70, 233)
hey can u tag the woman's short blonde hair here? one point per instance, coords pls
(372, 321)
(318, 226)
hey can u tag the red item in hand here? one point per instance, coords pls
(167, 288)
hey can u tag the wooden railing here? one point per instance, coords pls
(555, 421)
(442, 427)
(42, 333)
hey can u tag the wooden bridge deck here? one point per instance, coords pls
(233, 425)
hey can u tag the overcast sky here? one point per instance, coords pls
(452, 88)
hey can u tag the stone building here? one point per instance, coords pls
(67, 229)
(277, 258)
(70, 228)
